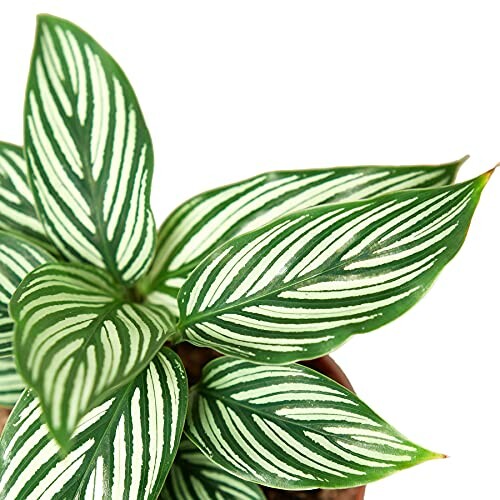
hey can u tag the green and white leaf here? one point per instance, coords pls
(18, 257)
(290, 427)
(78, 339)
(206, 221)
(122, 449)
(89, 153)
(11, 384)
(17, 208)
(300, 286)
(194, 477)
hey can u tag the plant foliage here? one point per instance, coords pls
(123, 448)
(77, 340)
(207, 221)
(291, 427)
(299, 286)
(88, 152)
(272, 271)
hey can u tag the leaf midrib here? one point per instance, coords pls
(369, 251)
(115, 416)
(184, 270)
(96, 208)
(81, 137)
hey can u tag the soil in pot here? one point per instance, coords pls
(194, 358)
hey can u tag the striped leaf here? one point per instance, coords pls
(194, 477)
(203, 223)
(18, 257)
(78, 339)
(89, 153)
(300, 286)
(11, 384)
(290, 427)
(122, 449)
(17, 210)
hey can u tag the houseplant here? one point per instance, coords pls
(269, 272)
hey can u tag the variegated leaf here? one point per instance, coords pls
(89, 153)
(206, 221)
(78, 339)
(17, 210)
(18, 257)
(11, 384)
(290, 427)
(194, 477)
(300, 286)
(122, 449)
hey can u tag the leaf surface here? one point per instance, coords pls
(194, 477)
(300, 286)
(89, 153)
(18, 257)
(78, 339)
(11, 384)
(206, 221)
(122, 449)
(290, 427)
(17, 207)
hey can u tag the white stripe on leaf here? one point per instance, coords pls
(195, 477)
(11, 383)
(300, 286)
(78, 339)
(89, 153)
(105, 460)
(205, 222)
(17, 206)
(340, 442)
(18, 257)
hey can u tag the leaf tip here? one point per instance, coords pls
(432, 455)
(455, 166)
(44, 18)
(423, 455)
(60, 435)
(462, 160)
(64, 447)
(49, 20)
(490, 172)
(483, 179)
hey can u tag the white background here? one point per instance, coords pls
(233, 88)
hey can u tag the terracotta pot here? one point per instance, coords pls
(4, 414)
(194, 358)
